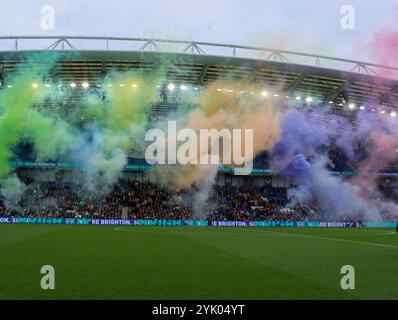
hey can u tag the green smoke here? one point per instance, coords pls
(121, 119)
(17, 100)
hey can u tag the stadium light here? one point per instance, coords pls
(134, 85)
(362, 107)
(264, 93)
(330, 102)
(298, 98)
(47, 85)
(9, 86)
(308, 99)
(35, 85)
(219, 89)
(276, 95)
(122, 85)
(383, 111)
(85, 85)
(351, 106)
(393, 114)
(73, 85)
(183, 87)
(171, 86)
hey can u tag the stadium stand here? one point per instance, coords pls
(144, 200)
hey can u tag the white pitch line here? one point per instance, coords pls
(280, 233)
(150, 231)
(331, 239)
(135, 230)
(359, 235)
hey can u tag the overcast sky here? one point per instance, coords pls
(312, 26)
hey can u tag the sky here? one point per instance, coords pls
(312, 26)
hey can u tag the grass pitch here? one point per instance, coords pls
(117, 262)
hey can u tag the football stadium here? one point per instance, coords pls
(157, 169)
(79, 194)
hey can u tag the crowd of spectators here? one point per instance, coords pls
(144, 200)
(250, 203)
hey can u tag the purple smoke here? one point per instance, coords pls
(302, 155)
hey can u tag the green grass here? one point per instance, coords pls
(107, 262)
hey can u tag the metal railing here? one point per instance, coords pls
(192, 47)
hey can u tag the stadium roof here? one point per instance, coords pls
(331, 81)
